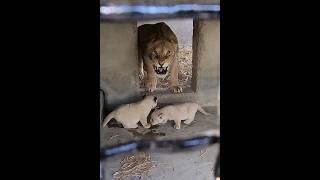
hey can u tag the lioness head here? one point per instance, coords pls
(158, 117)
(161, 55)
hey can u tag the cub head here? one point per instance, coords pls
(161, 56)
(152, 101)
(158, 117)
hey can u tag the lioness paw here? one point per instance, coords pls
(141, 76)
(177, 89)
(151, 87)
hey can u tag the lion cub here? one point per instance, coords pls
(130, 114)
(177, 113)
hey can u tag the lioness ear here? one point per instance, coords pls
(155, 99)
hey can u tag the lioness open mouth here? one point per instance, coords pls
(161, 70)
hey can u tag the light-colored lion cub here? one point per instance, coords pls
(177, 113)
(130, 114)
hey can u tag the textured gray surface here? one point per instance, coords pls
(193, 165)
(206, 60)
(118, 62)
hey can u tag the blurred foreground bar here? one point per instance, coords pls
(134, 10)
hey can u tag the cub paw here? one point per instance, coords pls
(147, 126)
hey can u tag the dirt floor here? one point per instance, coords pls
(193, 165)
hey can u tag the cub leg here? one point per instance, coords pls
(177, 124)
(144, 123)
(130, 125)
(190, 119)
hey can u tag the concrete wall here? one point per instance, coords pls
(206, 61)
(119, 64)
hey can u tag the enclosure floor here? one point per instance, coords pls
(193, 165)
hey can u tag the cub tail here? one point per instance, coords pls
(203, 111)
(108, 118)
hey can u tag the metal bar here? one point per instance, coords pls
(158, 146)
(102, 170)
(217, 168)
(111, 12)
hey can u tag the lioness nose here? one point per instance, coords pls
(161, 63)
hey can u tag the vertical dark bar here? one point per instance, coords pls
(217, 167)
(103, 103)
(101, 170)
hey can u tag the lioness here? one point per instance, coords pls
(158, 54)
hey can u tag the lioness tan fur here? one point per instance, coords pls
(130, 114)
(158, 55)
(177, 113)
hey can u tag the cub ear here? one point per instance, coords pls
(155, 99)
